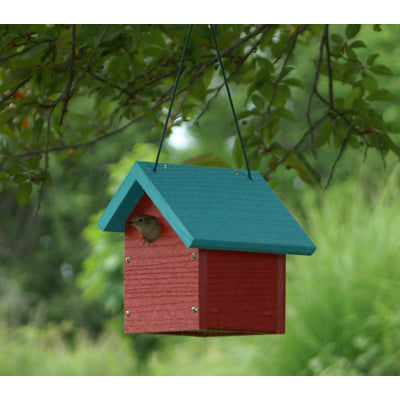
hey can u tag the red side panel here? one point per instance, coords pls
(244, 291)
(161, 281)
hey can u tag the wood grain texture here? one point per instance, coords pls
(236, 293)
(161, 281)
(211, 208)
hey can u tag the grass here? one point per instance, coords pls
(47, 351)
(343, 308)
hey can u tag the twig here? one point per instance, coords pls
(152, 82)
(342, 148)
(328, 63)
(5, 98)
(314, 87)
(111, 84)
(80, 145)
(67, 93)
(282, 71)
(204, 64)
(46, 159)
(244, 58)
(297, 145)
(18, 53)
(89, 63)
(340, 114)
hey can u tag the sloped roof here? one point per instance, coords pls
(212, 208)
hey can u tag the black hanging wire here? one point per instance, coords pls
(173, 96)
(227, 89)
(230, 101)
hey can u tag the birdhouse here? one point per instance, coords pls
(217, 266)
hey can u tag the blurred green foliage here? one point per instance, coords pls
(61, 278)
(343, 308)
(128, 71)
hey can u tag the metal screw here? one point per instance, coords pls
(165, 166)
(194, 256)
(236, 173)
(128, 313)
(194, 309)
(128, 259)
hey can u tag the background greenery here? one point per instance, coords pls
(61, 279)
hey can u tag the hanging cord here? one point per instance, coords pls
(227, 89)
(230, 101)
(173, 96)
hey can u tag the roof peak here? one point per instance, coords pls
(209, 207)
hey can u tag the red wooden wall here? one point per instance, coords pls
(242, 291)
(234, 292)
(161, 281)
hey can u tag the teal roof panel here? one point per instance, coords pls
(213, 208)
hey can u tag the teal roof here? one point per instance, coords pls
(211, 208)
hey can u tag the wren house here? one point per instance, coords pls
(218, 265)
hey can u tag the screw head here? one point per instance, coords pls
(195, 309)
(128, 313)
(165, 166)
(194, 256)
(236, 173)
(128, 259)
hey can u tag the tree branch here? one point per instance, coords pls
(339, 113)
(89, 63)
(237, 69)
(111, 84)
(81, 145)
(46, 160)
(282, 71)
(67, 93)
(342, 148)
(18, 53)
(298, 144)
(5, 98)
(314, 87)
(328, 63)
(204, 64)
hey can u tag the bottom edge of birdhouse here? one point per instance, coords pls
(205, 333)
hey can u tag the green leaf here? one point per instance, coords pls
(209, 160)
(394, 127)
(23, 193)
(350, 53)
(33, 162)
(237, 154)
(354, 94)
(293, 161)
(392, 146)
(14, 78)
(358, 43)
(261, 122)
(381, 94)
(6, 115)
(369, 83)
(283, 113)
(336, 38)
(246, 113)
(294, 82)
(372, 58)
(257, 100)
(324, 134)
(3, 175)
(380, 69)
(282, 94)
(35, 52)
(352, 30)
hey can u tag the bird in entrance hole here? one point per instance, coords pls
(148, 226)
